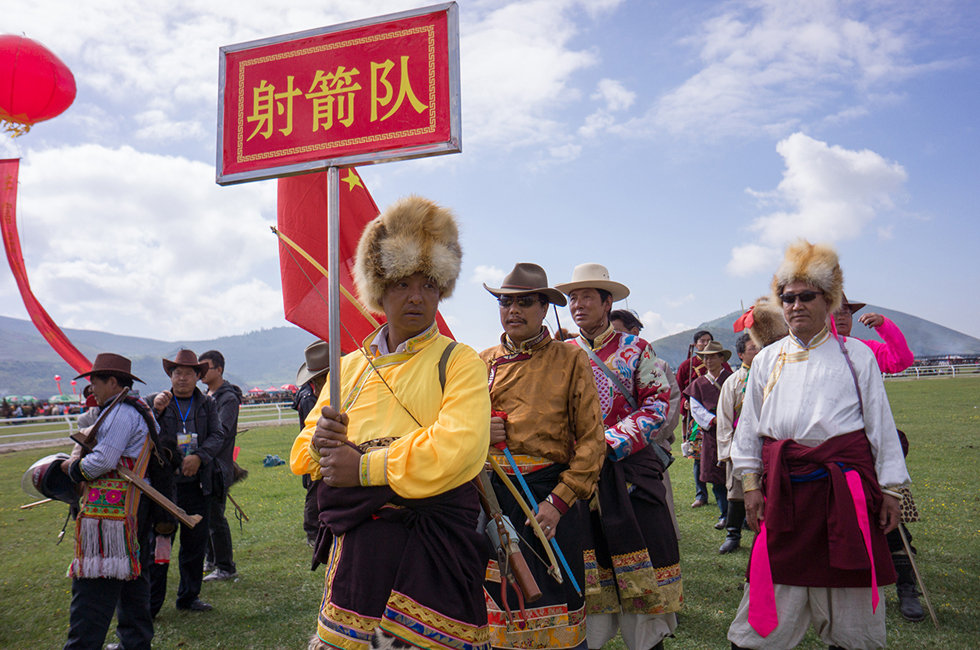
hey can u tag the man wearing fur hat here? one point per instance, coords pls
(631, 556)
(764, 324)
(189, 420)
(109, 571)
(398, 509)
(546, 413)
(819, 460)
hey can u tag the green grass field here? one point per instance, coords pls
(275, 602)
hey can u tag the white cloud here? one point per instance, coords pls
(827, 193)
(768, 66)
(490, 275)
(614, 95)
(517, 60)
(655, 326)
(115, 235)
(677, 302)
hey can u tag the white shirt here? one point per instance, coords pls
(807, 394)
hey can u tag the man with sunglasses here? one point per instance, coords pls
(632, 555)
(546, 413)
(820, 464)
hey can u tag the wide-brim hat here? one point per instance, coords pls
(187, 359)
(107, 363)
(714, 347)
(855, 307)
(414, 235)
(593, 276)
(527, 278)
(44, 479)
(317, 362)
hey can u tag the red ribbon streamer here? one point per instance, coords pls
(9, 169)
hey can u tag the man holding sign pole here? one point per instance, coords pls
(398, 510)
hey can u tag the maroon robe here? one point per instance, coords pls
(708, 393)
(809, 513)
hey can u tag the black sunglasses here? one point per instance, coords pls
(804, 296)
(522, 301)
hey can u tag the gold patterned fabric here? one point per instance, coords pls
(552, 408)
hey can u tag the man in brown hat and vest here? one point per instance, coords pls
(820, 463)
(398, 508)
(109, 571)
(632, 561)
(703, 394)
(310, 379)
(189, 420)
(546, 414)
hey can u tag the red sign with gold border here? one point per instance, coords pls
(352, 94)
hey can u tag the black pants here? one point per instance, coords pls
(94, 600)
(193, 545)
(219, 550)
(311, 511)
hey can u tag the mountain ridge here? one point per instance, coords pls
(271, 357)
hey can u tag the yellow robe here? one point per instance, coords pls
(446, 451)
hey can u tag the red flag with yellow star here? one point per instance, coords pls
(302, 226)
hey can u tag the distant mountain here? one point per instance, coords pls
(28, 364)
(925, 338)
(271, 357)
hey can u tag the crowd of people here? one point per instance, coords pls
(13, 409)
(520, 497)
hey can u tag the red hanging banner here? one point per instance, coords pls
(11, 244)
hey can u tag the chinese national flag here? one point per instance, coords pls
(11, 243)
(302, 217)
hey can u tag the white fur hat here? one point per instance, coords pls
(815, 264)
(414, 235)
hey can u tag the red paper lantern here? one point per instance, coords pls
(35, 85)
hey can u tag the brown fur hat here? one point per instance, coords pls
(414, 235)
(768, 323)
(815, 264)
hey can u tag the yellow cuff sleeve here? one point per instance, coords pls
(751, 481)
(373, 467)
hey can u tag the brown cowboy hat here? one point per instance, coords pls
(714, 347)
(855, 307)
(317, 362)
(593, 276)
(187, 359)
(107, 363)
(524, 279)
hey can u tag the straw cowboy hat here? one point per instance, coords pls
(187, 359)
(317, 362)
(524, 279)
(593, 276)
(714, 347)
(108, 363)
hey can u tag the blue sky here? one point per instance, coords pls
(680, 144)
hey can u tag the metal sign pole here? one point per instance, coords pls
(333, 281)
